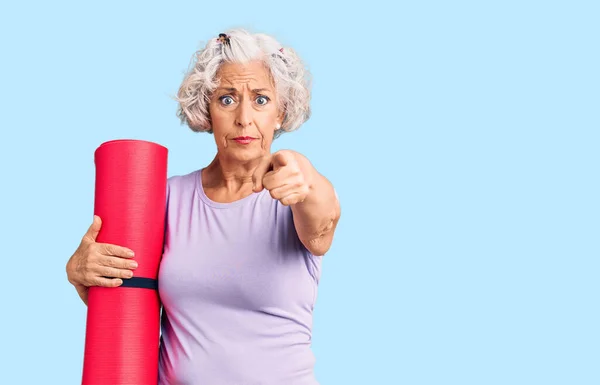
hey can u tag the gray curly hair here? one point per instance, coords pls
(291, 78)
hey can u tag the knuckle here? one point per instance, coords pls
(106, 248)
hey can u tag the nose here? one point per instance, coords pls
(244, 115)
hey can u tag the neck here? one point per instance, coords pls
(229, 177)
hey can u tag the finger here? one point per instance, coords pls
(115, 250)
(118, 263)
(277, 179)
(83, 292)
(281, 191)
(292, 199)
(260, 171)
(106, 282)
(111, 272)
(94, 229)
(280, 159)
(95, 274)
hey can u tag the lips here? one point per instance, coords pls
(244, 139)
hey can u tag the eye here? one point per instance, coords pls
(262, 100)
(226, 100)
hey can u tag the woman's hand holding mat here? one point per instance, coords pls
(98, 264)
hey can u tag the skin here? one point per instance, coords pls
(245, 104)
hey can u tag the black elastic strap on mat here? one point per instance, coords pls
(140, 282)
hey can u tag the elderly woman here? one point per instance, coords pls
(244, 235)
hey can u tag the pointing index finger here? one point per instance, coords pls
(280, 159)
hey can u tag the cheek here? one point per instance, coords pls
(268, 123)
(219, 124)
(267, 141)
(220, 121)
(267, 130)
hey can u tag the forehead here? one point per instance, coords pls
(254, 73)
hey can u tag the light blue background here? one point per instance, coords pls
(462, 138)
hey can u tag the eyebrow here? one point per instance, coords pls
(234, 90)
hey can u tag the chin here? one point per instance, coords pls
(246, 155)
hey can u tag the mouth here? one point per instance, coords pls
(244, 139)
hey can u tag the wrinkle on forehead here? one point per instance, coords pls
(257, 74)
(239, 79)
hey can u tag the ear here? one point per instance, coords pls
(281, 117)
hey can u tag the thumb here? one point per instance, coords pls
(83, 292)
(94, 228)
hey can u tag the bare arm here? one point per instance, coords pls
(316, 218)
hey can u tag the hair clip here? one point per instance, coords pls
(223, 38)
(279, 55)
